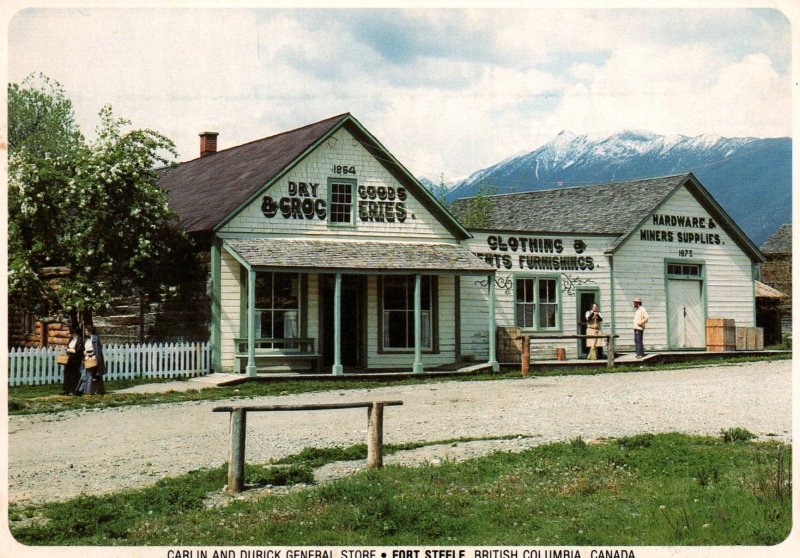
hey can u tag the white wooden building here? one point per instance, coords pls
(325, 252)
(556, 252)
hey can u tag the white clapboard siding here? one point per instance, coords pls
(37, 366)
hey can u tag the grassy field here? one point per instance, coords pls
(668, 489)
(46, 399)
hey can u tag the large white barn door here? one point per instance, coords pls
(685, 314)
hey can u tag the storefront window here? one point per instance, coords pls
(536, 303)
(398, 312)
(277, 306)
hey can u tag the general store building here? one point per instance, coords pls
(556, 252)
(325, 252)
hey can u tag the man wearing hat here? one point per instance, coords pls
(640, 318)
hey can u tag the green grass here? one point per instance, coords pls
(668, 489)
(46, 399)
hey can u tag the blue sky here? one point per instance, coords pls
(448, 91)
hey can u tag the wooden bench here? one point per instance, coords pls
(274, 349)
(238, 421)
(526, 347)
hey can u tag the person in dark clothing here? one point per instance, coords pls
(72, 369)
(91, 382)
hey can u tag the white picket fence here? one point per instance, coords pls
(38, 366)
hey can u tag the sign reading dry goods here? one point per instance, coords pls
(382, 203)
(301, 203)
(524, 252)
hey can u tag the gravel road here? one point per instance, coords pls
(54, 457)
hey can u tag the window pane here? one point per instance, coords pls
(547, 290)
(286, 290)
(394, 293)
(263, 290)
(425, 292)
(395, 329)
(425, 326)
(525, 290)
(547, 315)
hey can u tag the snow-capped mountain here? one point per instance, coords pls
(749, 177)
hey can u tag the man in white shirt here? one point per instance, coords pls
(640, 318)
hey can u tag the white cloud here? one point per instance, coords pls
(458, 90)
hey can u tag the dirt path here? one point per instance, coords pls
(54, 457)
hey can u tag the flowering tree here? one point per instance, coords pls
(93, 210)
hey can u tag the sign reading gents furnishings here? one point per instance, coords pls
(524, 248)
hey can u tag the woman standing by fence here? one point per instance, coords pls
(93, 364)
(72, 369)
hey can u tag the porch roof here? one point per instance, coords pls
(356, 256)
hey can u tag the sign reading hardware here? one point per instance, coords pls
(685, 237)
(526, 252)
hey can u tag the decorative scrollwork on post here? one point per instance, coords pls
(506, 283)
(570, 283)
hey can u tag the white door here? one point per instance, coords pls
(685, 315)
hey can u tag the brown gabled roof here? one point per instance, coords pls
(206, 190)
(780, 242)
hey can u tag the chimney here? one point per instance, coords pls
(208, 143)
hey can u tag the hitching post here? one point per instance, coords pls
(236, 454)
(375, 436)
(526, 355)
(610, 350)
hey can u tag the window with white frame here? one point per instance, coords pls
(536, 303)
(277, 306)
(548, 304)
(525, 302)
(340, 208)
(398, 312)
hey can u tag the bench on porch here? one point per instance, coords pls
(277, 350)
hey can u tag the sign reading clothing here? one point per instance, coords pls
(527, 252)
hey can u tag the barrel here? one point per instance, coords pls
(720, 335)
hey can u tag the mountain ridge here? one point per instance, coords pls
(749, 177)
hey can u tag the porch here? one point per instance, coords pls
(311, 305)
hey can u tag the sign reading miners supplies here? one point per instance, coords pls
(525, 252)
(695, 234)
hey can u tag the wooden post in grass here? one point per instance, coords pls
(526, 354)
(375, 435)
(236, 455)
(238, 420)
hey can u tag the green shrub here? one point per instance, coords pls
(637, 441)
(736, 434)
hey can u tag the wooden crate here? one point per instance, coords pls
(749, 338)
(720, 335)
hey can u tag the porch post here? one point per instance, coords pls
(337, 368)
(417, 368)
(251, 322)
(492, 350)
